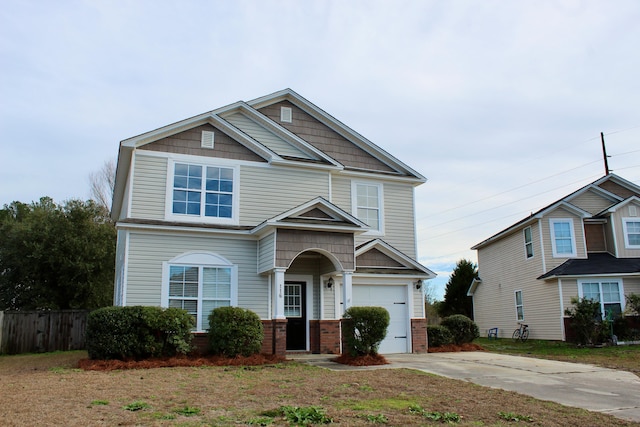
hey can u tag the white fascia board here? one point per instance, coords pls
(619, 180)
(394, 254)
(590, 276)
(182, 230)
(378, 176)
(337, 126)
(623, 203)
(565, 205)
(333, 209)
(603, 193)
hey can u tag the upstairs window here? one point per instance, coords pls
(203, 192)
(562, 238)
(631, 227)
(528, 243)
(367, 204)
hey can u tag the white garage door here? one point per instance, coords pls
(394, 299)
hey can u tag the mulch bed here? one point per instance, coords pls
(179, 361)
(255, 360)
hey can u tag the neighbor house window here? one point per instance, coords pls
(528, 242)
(562, 237)
(607, 292)
(367, 204)
(519, 307)
(631, 229)
(199, 283)
(203, 192)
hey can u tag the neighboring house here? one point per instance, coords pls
(585, 245)
(275, 206)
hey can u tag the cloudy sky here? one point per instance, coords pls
(500, 104)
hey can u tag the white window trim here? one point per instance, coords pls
(599, 280)
(628, 245)
(515, 300)
(524, 235)
(553, 221)
(168, 212)
(354, 205)
(201, 260)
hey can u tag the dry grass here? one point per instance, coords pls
(39, 390)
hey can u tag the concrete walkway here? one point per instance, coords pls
(584, 386)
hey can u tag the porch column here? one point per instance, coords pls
(346, 290)
(278, 293)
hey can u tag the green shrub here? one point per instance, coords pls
(364, 329)
(586, 320)
(463, 330)
(235, 331)
(633, 303)
(138, 332)
(438, 336)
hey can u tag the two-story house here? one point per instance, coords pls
(275, 206)
(584, 245)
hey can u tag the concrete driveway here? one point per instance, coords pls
(572, 384)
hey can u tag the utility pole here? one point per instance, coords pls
(604, 155)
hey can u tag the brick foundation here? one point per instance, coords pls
(200, 343)
(280, 337)
(419, 336)
(314, 336)
(267, 341)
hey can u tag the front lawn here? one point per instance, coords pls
(48, 389)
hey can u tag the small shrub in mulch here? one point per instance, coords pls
(180, 361)
(364, 360)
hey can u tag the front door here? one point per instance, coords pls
(295, 311)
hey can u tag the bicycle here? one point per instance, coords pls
(522, 333)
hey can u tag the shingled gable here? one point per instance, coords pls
(377, 255)
(395, 166)
(316, 214)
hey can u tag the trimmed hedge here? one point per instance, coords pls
(138, 332)
(463, 330)
(439, 336)
(235, 331)
(365, 329)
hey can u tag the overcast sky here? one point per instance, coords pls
(500, 104)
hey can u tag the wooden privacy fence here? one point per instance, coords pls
(42, 331)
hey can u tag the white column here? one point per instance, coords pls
(278, 294)
(347, 290)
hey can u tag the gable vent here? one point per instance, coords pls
(633, 211)
(207, 139)
(285, 114)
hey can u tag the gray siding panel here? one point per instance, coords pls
(267, 192)
(149, 187)
(148, 251)
(266, 253)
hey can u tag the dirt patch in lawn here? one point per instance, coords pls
(179, 361)
(46, 390)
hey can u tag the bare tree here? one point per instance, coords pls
(102, 184)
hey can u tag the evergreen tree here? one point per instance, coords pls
(56, 256)
(456, 300)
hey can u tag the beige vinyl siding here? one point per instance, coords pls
(267, 192)
(147, 252)
(329, 302)
(505, 269)
(266, 253)
(578, 230)
(591, 202)
(617, 220)
(399, 211)
(569, 290)
(399, 219)
(418, 303)
(265, 137)
(149, 187)
(631, 285)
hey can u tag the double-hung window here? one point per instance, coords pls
(631, 227)
(562, 237)
(202, 192)
(199, 283)
(607, 292)
(528, 242)
(367, 205)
